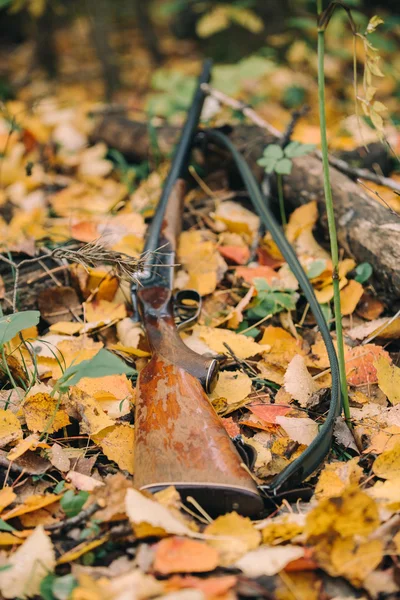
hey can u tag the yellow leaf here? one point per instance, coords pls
(282, 529)
(237, 218)
(29, 443)
(10, 428)
(350, 297)
(246, 18)
(326, 293)
(65, 327)
(41, 414)
(80, 550)
(212, 22)
(8, 539)
(129, 350)
(335, 477)
(387, 465)
(102, 312)
(7, 496)
(94, 419)
(280, 347)
(355, 560)
(237, 536)
(387, 491)
(75, 349)
(388, 379)
(29, 565)
(301, 219)
(354, 513)
(234, 386)
(242, 346)
(117, 443)
(201, 260)
(31, 504)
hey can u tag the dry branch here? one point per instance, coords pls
(366, 229)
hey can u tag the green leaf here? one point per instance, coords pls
(10, 325)
(5, 526)
(262, 285)
(273, 151)
(295, 149)
(243, 326)
(59, 487)
(72, 503)
(364, 272)
(316, 268)
(267, 163)
(63, 587)
(284, 166)
(46, 587)
(103, 363)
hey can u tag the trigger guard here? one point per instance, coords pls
(179, 298)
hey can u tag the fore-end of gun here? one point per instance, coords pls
(179, 439)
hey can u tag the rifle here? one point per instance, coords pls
(179, 438)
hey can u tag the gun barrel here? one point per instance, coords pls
(179, 162)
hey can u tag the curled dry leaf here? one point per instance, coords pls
(298, 381)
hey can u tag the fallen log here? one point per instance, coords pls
(367, 230)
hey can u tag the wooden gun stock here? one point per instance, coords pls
(180, 440)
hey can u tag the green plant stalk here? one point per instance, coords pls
(279, 183)
(331, 218)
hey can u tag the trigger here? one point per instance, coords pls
(187, 308)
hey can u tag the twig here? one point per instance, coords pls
(76, 520)
(242, 363)
(338, 163)
(377, 194)
(242, 107)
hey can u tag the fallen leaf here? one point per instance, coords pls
(302, 430)
(233, 536)
(350, 297)
(31, 504)
(355, 560)
(298, 381)
(268, 412)
(238, 255)
(212, 587)
(387, 465)
(83, 482)
(280, 346)
(80, 550)
(31, 442)
(360, 361)
(280, 529)
(29, 564)
(249, 274)
(101, 312)
(384, 328)
(94, 419)
(10, 428)
(237, 218)
(336, 477)
(180, 555)
(117, 443)
(268, 560)
(65, 327)
(7, 496)
(241, 345)
(353, 513)
(234, 386)
(59, 458)
(388, 379)
(141, 509)
(42, 413)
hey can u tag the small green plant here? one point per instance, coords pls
(57, 588)
(270, 301)
(72, 503)
(280, 161)
(363, 272)
(323, 19)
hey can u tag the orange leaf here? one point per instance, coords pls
(181, 555)
(251, 273)
(231, 427)
(239, 255)
(360, 367)
(211, 587)
(268, 412)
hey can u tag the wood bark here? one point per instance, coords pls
(367, 230)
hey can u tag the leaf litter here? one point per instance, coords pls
(61, 405)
